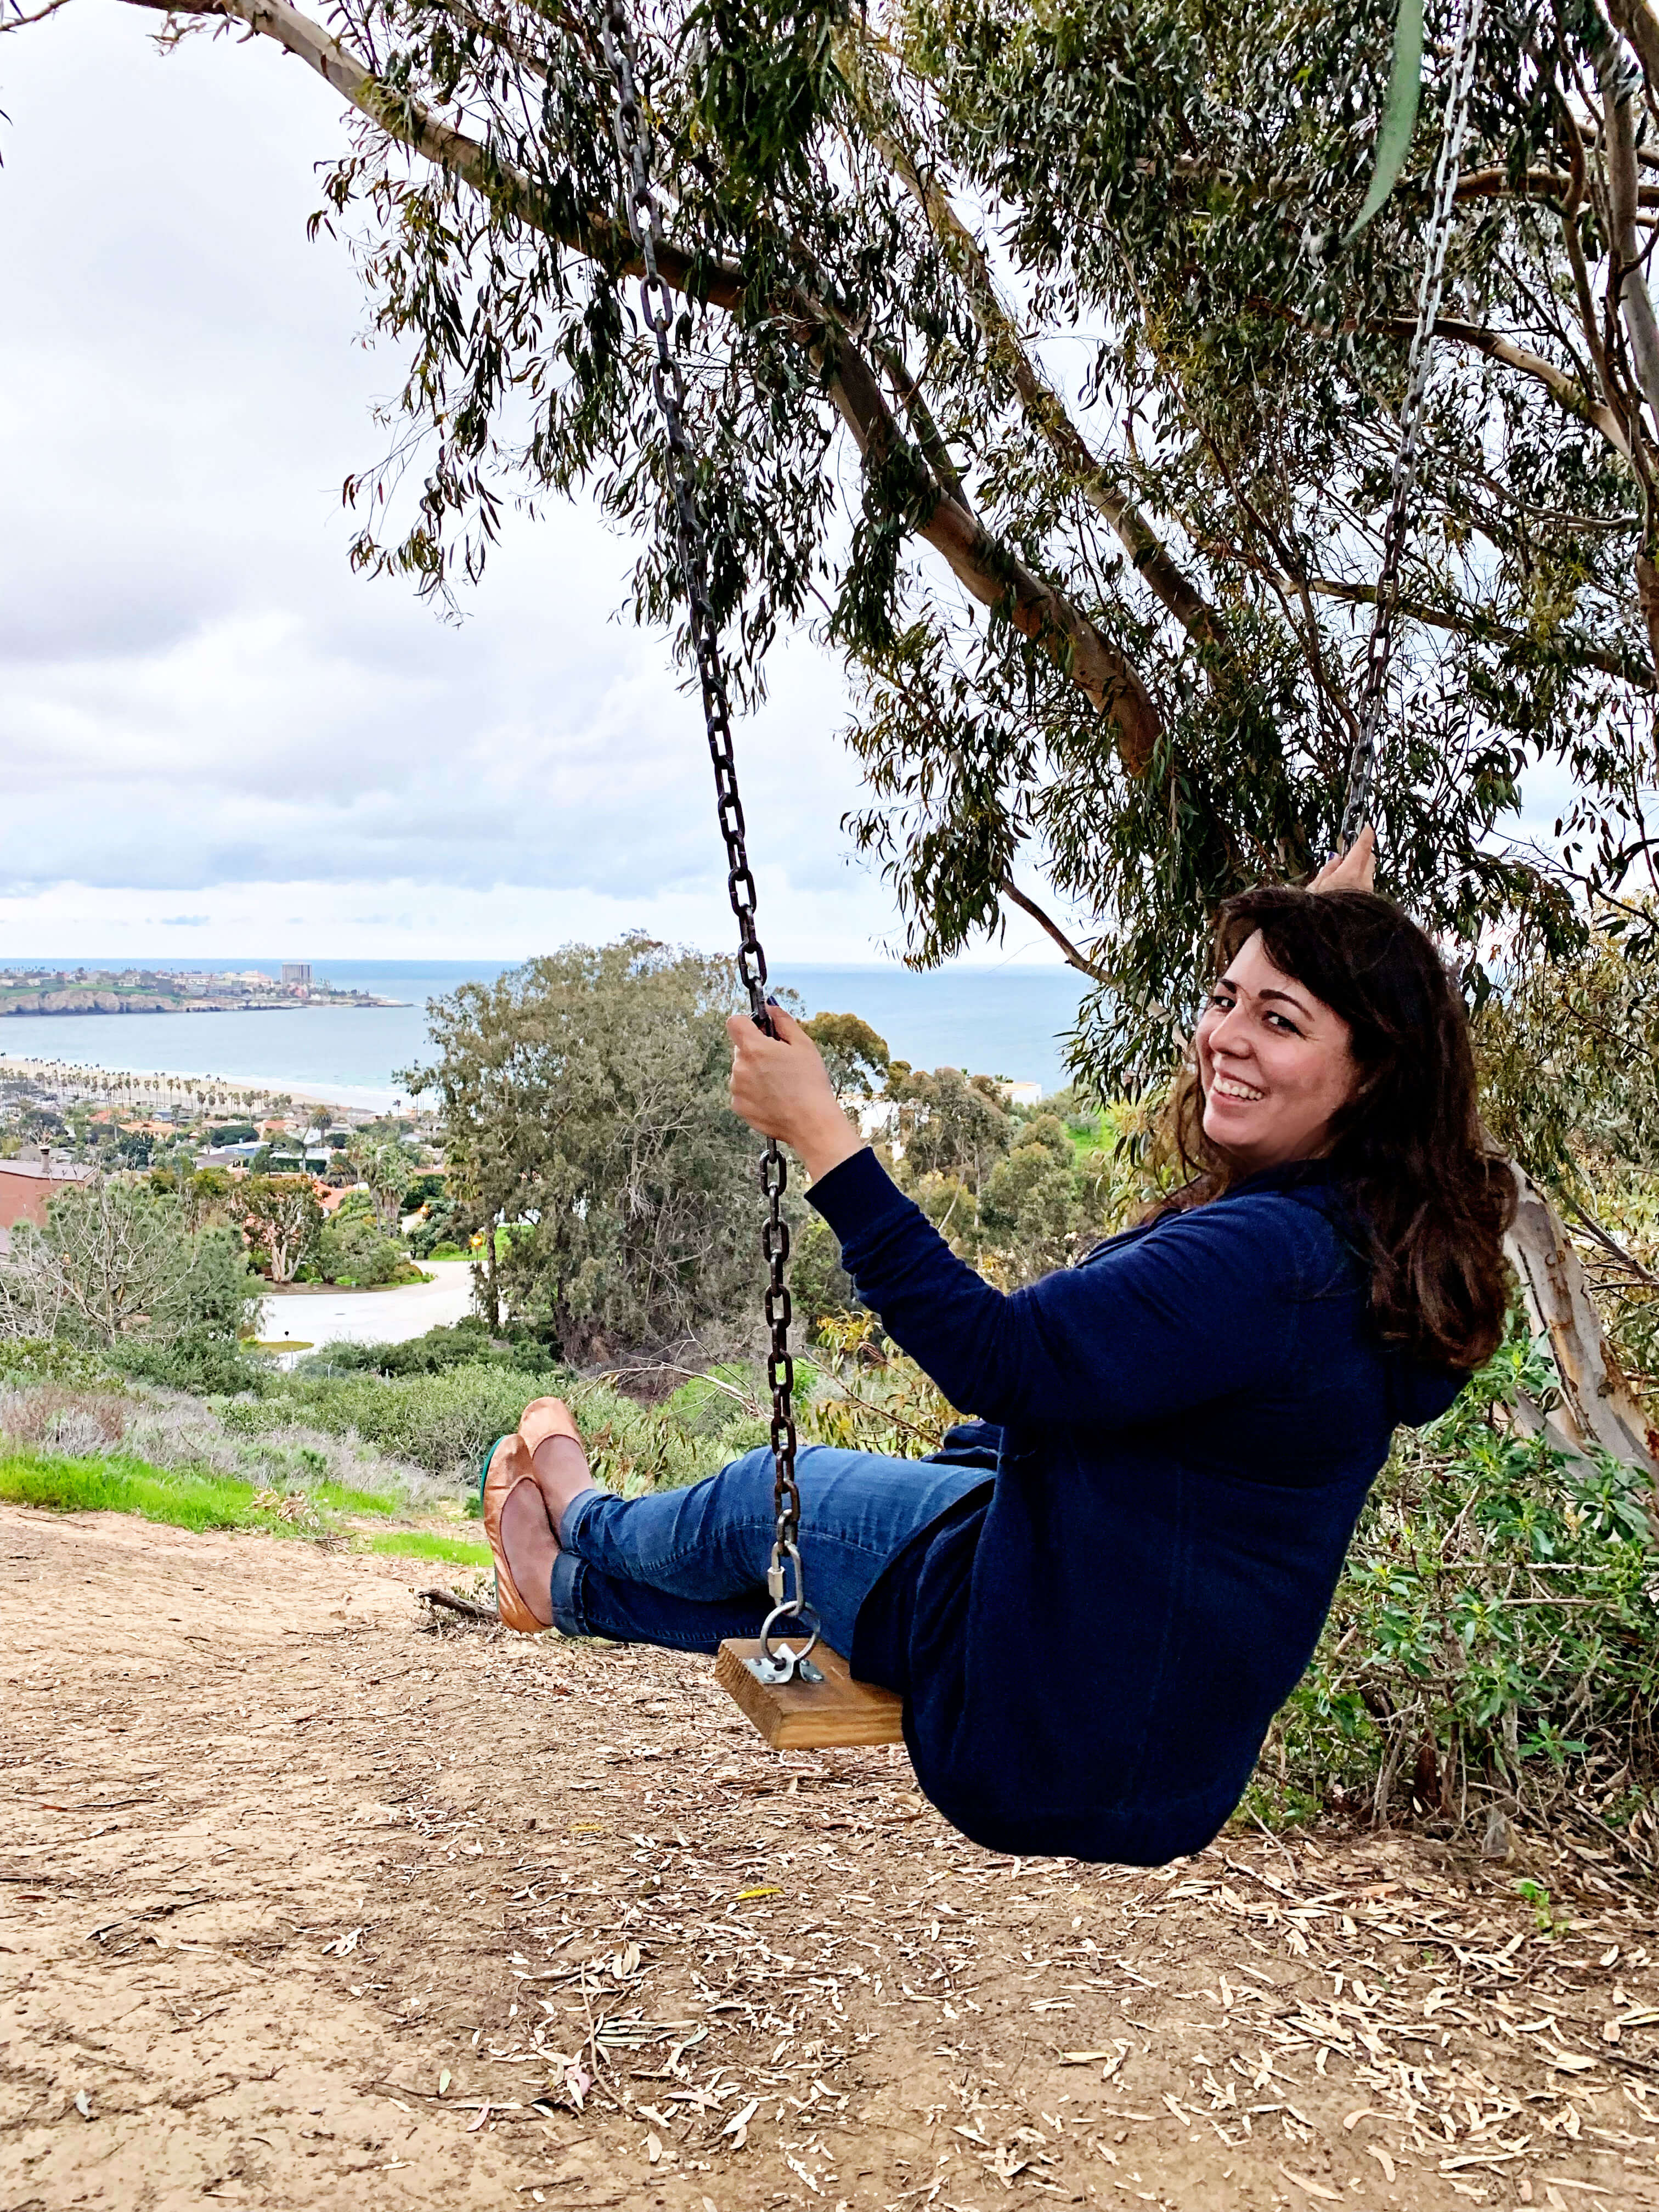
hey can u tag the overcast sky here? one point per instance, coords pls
(212, 735)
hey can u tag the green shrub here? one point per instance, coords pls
(353, 1248)
(1494, 1641)
(633, 1448)
(206, 1366)
(818, 1284)
(433, 1237)
(451, 1393)
(25, 1360)
(441, 1422)
(464, 1343)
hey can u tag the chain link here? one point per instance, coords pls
(668, 385)
(1362, 770)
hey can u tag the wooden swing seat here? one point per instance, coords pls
(811, 1716)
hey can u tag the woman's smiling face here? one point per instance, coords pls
(1275, 1062)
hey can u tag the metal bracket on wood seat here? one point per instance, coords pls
(782, 1668)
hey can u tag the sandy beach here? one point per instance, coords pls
(133, 1088)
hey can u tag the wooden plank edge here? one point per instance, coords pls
(836, 1714)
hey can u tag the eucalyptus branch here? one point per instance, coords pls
(1040, 610)
(19, 21)
(1562, 388)
(1074, 958)
(745, 1400)
(1037, 609)
(1491, 184)
(870, 1405)
(1497, 183)
(1536, 184)
(1043, 408)
(1609, 1244)
(409, 123)
(1628, 667)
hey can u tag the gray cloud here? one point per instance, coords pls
(194, 691)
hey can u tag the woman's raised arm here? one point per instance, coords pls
(1202, 1307)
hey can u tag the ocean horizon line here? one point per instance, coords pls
(1007, 1021)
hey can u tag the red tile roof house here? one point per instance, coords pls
(27, 1187)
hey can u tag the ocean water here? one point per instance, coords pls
(1004, 1021)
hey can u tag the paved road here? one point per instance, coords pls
(369, 1316)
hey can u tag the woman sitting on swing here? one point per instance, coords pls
(1096, 1597)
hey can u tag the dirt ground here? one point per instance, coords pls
(307, 1901)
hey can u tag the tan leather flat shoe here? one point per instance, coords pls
(507, 1466)
(548, 1417)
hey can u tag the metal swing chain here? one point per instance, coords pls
(668, 385)
(1357, 807)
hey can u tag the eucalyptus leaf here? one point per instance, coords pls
(1394, 140)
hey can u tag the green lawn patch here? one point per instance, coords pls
(120, 1484)
(414, 1544)
(198, 1500)
(339, 1499)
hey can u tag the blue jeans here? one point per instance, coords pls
(687, 1568)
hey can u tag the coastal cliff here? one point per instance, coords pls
(151, 991)
(85, 1002)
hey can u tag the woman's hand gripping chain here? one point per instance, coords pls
(781, 1087)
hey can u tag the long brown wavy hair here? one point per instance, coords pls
(1431, 1197)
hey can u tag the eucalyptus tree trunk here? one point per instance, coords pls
(1597, 1406)
(492, 1281)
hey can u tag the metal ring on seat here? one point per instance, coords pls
(785, 1664)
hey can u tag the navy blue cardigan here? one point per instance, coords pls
(1183, 1428)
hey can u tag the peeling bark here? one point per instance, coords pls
(1598, 1406)
(1620, 108)
(1640, 25)
(1647, 594)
